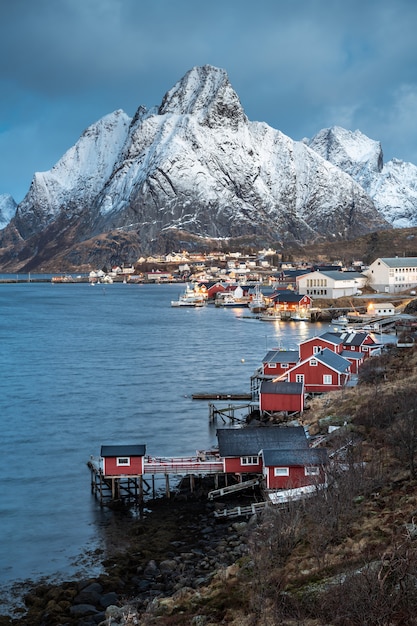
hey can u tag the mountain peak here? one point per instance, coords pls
(207, 93)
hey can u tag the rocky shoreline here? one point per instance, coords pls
(177, 546)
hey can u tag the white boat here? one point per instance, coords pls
(342, 320)
(257, 304)
(190, 298)
(270, 315)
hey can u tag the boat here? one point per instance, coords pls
(190, 298)
(270, 315)
(257, 304)
(342, 320)
(297, 317)
(232, 298)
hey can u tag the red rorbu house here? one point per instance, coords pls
(276, 362)
(123, 460)
(288, 302)
(312, 346)
(240, 448)
(321, 372)
(294, 468)
(276, 397)
(358, 341)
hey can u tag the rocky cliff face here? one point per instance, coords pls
(7, 209)
(194, 169)
(391, 186)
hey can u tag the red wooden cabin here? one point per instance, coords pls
(277, 362)
(123, 460)
(240, 448)
(322, 372)
(293, 468)
(275, 397)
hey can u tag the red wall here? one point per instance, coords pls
(297, 478)
(281, 402)
(313, 377)
(234, 466)
(135, 467)
(306, 348)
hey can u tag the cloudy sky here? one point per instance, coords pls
(298, 65)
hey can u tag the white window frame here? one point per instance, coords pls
(123, 461)
(327, 379)
(313, 362)
(299, 378)
(311, 470)
(281, 471)
(284, 366)
(249, 460)
(271, 365)
(316, 349)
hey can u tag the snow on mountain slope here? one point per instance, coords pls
(195, 164)
(77, 177)
(210, 171)
(392, 187)
(7, 209)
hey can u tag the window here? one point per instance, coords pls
(271, 365)
(327, 379)
(284, 366)
(311, 471)
(299, 378)
(316, 349)
(249, 460)
(281, 471)
(122, 460)
(313, 362)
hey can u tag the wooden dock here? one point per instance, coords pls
(221, 396)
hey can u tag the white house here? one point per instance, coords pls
(393, 275)
(331, 284)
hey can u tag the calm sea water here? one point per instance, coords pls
(82, 366)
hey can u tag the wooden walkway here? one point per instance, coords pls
(224, 491)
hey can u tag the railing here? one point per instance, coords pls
(192, 465)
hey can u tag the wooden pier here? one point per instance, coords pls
(134, 487)
(221, 396)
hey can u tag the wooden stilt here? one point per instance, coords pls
(167, 489)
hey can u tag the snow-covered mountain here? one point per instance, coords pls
(391, 186)
(7, 209)
(196, 168)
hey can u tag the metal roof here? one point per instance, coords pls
(330, 337)
(351, 354)
(404, 261)
(343, 275)
(281, 388)
(123, 450)
(333, 360)
(281, 356)
(234, 442)
(294, 456)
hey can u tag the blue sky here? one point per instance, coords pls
(298, 65)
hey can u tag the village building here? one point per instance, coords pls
(123, 460)
(240, 448)
(381, 309)
(321, 372)
(294, 468)
(393, 274)
(281, 396)
(289, 303)
(331, 284)
(277, 361)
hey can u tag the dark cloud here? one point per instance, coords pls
(299, 65)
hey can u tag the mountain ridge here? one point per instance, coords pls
(194, 169)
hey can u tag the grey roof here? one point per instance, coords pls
(294, 456)
(234, 442)
(281, 356)
(407, 261)
(331, 338)
(351, 354)
(123, 450)
(281, 388)
(343, 275)
(333, 360)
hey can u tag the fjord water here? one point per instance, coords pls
(83, 366)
